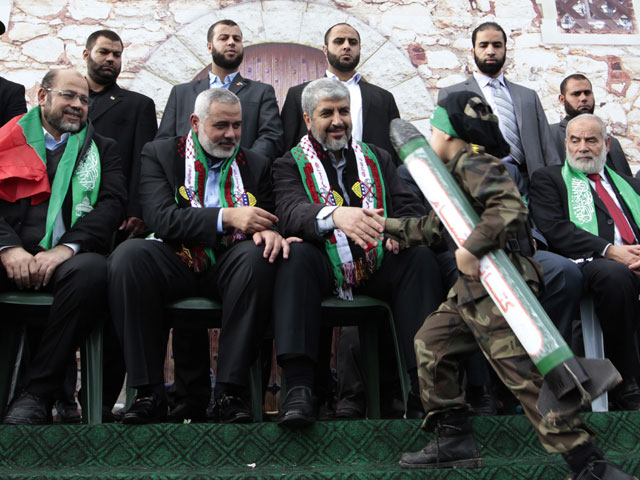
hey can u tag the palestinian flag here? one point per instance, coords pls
(23, 171)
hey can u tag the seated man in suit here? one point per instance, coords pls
(207, 199)
(55, 226)
(262, 134)
(324, 186)
(591, 214)
(576, 96)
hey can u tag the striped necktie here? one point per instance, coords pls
(507, 116)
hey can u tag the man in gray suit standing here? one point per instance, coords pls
(261, 126)
(261, 134)
(522, 120)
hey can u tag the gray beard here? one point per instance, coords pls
(331, 145)
(213, 149)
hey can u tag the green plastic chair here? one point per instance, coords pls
(20, 308)
(341, 313)
(196, 312)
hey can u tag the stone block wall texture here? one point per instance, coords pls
(410, 47)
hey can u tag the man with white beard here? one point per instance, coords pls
(590, 213)
(208, 202)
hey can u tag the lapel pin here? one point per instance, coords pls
(112, 97)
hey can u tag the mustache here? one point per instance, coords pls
(336, 128)
(72, 110)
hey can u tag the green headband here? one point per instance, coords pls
(440, 120)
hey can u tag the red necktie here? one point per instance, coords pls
(618, 217)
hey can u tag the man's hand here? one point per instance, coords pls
(45, 263)
(16, 261)
(627, 254)
(359, 226)
(377, 216)
(248, 219)
(273, 244)
(392, 246)
(133, 225)
(468, 263)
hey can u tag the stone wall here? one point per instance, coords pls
(411, 47)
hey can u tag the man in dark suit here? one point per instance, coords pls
(591, 214)
(127, 117)
(576, 96)
(217, 240)
(522, 120)
(372, 107)
(261, 126)
(54, 232)
(262, 134)
(12, 101)
(325, 189)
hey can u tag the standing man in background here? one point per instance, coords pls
(12, 101)
(372, 107)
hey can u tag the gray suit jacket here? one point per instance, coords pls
(535, 134)
(616, 158)
(261, 125)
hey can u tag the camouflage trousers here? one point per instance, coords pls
(453, 332)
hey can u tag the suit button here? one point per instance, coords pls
(610, 222)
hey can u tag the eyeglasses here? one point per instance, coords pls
(70, 95)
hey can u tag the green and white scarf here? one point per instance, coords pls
(84, 179)
(580, 199)
(348, 272)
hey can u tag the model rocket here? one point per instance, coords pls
(570, 383)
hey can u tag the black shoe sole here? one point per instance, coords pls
(466, 463)
(142, 421)
(295, 420)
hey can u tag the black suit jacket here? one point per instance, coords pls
(378, 109)
(92, 232)
(261, 125)
(162, 177)
(550, 209)
(12, 101)
(130, 119)
(297, 214)
(616, 158)
(533, 127)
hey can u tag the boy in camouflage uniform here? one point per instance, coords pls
(469, 319)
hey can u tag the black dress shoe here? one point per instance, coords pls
(109, 416)
(626, 396)
(28, 409)
(229, 409)
(600, 470)
(186, 411)
(297, 409)
(482, 401)
(151, 408)
(453, 447)
(67, 412)
(348, 409)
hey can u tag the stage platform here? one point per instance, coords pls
(367, 449)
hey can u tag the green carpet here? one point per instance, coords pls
(336, 450)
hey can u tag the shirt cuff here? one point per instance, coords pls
(324, 220)
(220, 229)
(73, 246)
(604, 252)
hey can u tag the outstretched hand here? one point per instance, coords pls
(359, 225)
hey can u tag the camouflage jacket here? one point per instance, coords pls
(493, 194)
